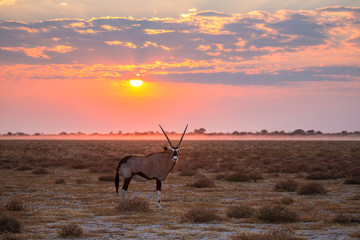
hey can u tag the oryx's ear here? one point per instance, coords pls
(165, 148)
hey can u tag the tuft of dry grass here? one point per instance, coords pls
(60, 181)
(9, 224)
(286, 185)
(343, 218)
(15, 205)
(352, 180)
(134, 205)
(40, 171)
(107, 178)
(238, 177)
(200, 215)
(203, 182)
(275, 234)
(277, 214)
(287, 200)
(70, 230)
(242, 211)
(311, 188)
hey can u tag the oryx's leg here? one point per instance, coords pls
(124, 189)
(158, 191)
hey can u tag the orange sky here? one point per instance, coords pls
(224, 71)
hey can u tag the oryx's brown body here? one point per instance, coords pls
(153, 166)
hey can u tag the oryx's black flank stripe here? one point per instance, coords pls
(143, 175)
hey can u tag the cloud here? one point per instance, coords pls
(255, 48)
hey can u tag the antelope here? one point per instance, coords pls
(153, 166)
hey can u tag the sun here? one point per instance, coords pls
(136, 82)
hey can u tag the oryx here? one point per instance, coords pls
(153, 166)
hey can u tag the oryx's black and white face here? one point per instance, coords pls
(174, 150)
(175, 153)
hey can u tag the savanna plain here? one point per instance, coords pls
(280, 190)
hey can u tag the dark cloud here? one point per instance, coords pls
(219, 41)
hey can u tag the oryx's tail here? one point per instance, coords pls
(117, 177)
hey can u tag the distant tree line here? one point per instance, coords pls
(200, 131)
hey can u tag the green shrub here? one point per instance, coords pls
(200, 215)
(242, 211)
(311, 188)
(9, 224)
(277, 214)
(70, 230)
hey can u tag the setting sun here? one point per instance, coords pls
(136, 83)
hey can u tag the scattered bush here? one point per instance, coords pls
(40, 171)
(187, 172)
(15, 205)
(70, 230)
(346, 219)
(256, 175)
(24, 168)
(203, 182)
(238, 177)
(311, 188)
(277, 214)
(276, 234)
(107, 178)
(353, 180)
(242, 211)
(60, 181)
(287, 185)
(134, 205)
(200, 215)
(9, 224)
(287, 200)
(321, 176)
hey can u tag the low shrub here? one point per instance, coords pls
(311, 188)
(9, 224)
(287, 200)
(70, 230)
(276, 234)
(24, 168)
(134, 205)
(187, 172)
(15, 205)
(277, 214)
(201, 215)
(40, 171)
(352, 181)
(60, 181)
(287, 185)
(242, 211)
(321, 176)
(203, 182)
(107, 178)
(238, 177)
(346, 219)
(256, 175)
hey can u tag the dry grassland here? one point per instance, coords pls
(218, 190)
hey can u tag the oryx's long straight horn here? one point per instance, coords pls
(166, 136)
(182, 135)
